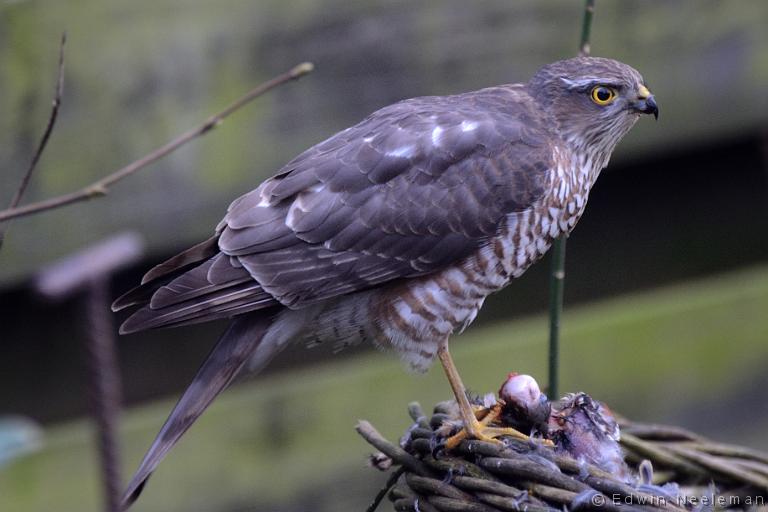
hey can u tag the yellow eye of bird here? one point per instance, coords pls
(603, 95)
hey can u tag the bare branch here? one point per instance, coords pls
(44, 139)
(101, 187)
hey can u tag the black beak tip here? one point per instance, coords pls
(651, 107)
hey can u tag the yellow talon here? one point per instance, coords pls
(473, 428)
(482, 431)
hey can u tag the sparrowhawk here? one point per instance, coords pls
(395, 230)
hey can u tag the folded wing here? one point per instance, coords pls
(414, 187)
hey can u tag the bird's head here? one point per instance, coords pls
(595, 101)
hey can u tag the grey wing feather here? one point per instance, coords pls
(415, 186)
(165, 272)
(211, 290)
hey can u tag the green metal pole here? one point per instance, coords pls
(556, 286)
(557, 273)
(586, 27)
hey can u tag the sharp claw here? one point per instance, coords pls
(481, 431)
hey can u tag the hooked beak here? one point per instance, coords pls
(646, 103)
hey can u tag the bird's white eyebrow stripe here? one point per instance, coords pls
(587, 81)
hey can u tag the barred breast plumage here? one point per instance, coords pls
(413, 317)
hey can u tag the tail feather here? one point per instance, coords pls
(245, 296)
(195, 254)
(165, 272)
(235, 347)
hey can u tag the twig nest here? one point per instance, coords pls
(653, 467)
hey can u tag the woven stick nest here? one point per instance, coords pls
(525, 476)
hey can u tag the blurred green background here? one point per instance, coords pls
(667, 288)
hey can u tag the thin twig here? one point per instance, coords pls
(453, 505)
(660, 456)
(456, 466)
(101, 187)
(727, 450)
(469, 483)
(723, 467)
(397, 454)
(44, 139)
(428, 486)
(523, 469)
(656, 432)
(391, 481)
(417, 415)
(48, 129)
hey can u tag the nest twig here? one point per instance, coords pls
(516, 476)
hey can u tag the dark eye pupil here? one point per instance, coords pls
(603, 94)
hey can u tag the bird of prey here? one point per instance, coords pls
(395, 230)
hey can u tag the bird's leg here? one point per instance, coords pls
(473, 428)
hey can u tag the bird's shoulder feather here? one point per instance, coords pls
(415, 186)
